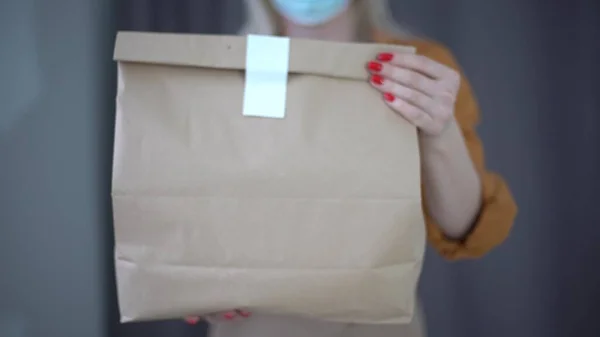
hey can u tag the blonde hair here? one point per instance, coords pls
(260, 18)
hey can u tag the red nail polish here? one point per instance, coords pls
(229, 315)
(389, 97)
(385, 57)
(245, 314)
(376, 79)
(374, 66)
(192, 320)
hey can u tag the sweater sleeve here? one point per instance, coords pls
(498, 209)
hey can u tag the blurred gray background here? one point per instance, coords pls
(533, 65)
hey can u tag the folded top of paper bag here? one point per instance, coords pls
(336, 59)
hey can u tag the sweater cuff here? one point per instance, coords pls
(492, 226)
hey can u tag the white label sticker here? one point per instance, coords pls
(267, 65)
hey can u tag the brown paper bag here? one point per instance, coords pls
(316, 214)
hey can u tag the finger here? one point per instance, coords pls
(244, 313)
(192, 320)
(417, 62)
(404, 76)
(411, 113)
(230, 315)
(447, 97)
(410, 95)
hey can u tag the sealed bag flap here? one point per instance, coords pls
(335, 59)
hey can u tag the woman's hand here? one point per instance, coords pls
(223, 316)
(424, 92)
(418, 88)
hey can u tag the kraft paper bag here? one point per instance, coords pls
(262, 173)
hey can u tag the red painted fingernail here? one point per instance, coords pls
(245, 314)
(374, 66)
(385, 57)
(389, 97)
(192, 320)
(376, 79)
(229, 316)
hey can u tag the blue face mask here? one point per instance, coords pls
(310, 12)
